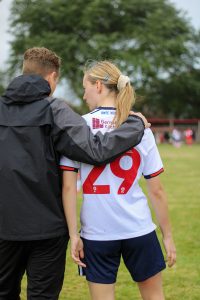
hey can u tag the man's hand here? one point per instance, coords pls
(146, 123)
(77, 250)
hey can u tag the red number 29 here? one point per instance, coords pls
(129, 175)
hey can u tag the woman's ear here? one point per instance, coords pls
(99, 86)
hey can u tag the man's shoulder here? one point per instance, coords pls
(52, 99)
(58, 104)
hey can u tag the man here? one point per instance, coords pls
(35, 130)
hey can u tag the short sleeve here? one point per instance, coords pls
(153, 165)
(67, 164)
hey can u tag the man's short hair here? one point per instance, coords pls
(41, 61)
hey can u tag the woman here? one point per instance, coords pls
(115, 217)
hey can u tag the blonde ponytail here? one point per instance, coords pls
(124, 101)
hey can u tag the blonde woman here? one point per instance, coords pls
(115, 217)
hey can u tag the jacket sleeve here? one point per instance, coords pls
(74, 139)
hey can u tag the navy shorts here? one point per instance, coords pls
(142, 256)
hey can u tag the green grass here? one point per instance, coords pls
(182, 184)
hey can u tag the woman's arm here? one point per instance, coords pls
(159, 203)
(69, 199)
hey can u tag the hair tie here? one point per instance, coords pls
(122, 82)
(106, 78)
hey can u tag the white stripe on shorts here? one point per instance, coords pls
(80, 271)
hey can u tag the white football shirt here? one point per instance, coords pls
(114, 206)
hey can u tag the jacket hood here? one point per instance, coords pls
(26, 88)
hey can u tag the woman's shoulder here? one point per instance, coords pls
(147, 142)
(148, 135)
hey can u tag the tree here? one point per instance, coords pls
(151, 41)
(178, 95)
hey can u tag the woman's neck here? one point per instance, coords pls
(109, 101)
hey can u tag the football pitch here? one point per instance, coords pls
(181, 180)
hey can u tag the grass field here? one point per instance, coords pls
(182, 184)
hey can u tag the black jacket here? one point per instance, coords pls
(34, 131)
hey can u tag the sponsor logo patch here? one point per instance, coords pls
(98, 123)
